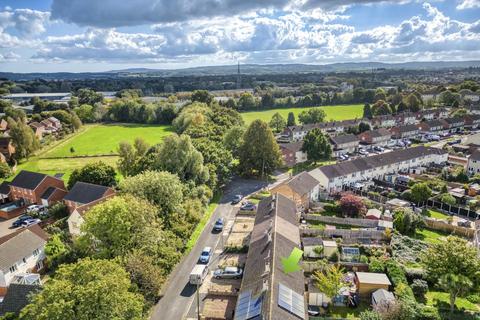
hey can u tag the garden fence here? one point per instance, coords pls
(346, 234)
(455, 210)
(363, 223)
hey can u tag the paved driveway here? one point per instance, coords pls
(5, 227)
(179, 294)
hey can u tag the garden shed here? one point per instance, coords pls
(373, 214)
(382, 298)
(369, 282)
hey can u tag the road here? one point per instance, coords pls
(6, 227)
(179, 294)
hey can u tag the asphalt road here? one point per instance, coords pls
(6, 226)
(179, 294)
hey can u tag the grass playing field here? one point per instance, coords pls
(340, 112)
(96, 142)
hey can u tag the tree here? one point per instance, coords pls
(96, 173)
(5, 170)
(202, 96)
(117, 226)
(278, 122)
(455, 285)
(455, 256)
(86, 290)
(363, 126)
(402, 107)
(23, 138)
(330, 280)
(352, 205)
(420, 192)
(259, 152)
(86, 113)
(233, 139)
(291, 119)
(130, 156)
(55, 250)
(317, 146)
(367, 111)
(246, 101)
(414, 104)
(407, 222)
(448, 199)
(162, 189)
(267, 100)
(312, 115)
(177, 155)
(88, 96)
(194, 114)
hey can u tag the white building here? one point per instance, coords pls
(473, 165)
(21, 252)
(333, 177)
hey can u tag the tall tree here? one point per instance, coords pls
(130, 156)
(87, 290)
(407, 222)
(317, 146)
(233, 139)
(246, 101)
(414, 104)
(291, 119)
(455, 285)
(330, 280)
(88, 96)
(202, 96)
(420, 192)
(267, 100)
(259, 152)
(312, 115)
(367, 111)
(277, 122)
(23, 138)
(96, 172)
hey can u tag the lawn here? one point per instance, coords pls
(430, 236)
(347, 312)
(441, 300)
(340, 112)
(99, 142)
(437, 215)
(104, 139)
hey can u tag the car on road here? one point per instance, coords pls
(218, 226)
(248, 206)
(237, 198)
(228, 273)
(198, 274)
(17, 223)
(205, 255)
(30, 222)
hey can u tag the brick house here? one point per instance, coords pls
(453, 124)
(31, 186)
(385, 121)
(432, 126)
(6, 147)
(409, 131)
(38, 128)
(377, 137)
(472, 121)
(292, 153)
(302, 189)
(342, 144)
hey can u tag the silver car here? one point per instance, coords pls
(228, 273)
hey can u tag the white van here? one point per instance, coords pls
(198, 274)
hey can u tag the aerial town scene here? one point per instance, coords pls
(239, 160)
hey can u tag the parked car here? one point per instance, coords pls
(378, 148)
(198, 274)
(205, 255)
(313, 310)
(17, 223)
(228, 273)
(218, 226)
(237, 198)
(248, 206)
(30, 222)
(36, 208)
(363, 152)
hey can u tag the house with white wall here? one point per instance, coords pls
(333, 178)
(21, 252)
(473, 165)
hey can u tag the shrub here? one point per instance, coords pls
(318, 250)
(396, 273)
(376, 265)
(369, 315)
(58, 211)
(419, 288)
(332, 208)
(415, 273)
(429, 313)
(334, 257)
(474, 298)
(363, 259)
(352, 205)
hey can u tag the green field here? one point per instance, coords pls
(96, 142)
(104, 139)
(340, 112)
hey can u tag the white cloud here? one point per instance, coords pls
(27, 22)
(9, 57)
(468, 4)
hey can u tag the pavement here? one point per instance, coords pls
(179, 294)
(6, 227)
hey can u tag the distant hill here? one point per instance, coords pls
(250, 69)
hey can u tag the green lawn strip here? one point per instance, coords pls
(347, 312)
(203, 221)
(340, 112)
(437, 215)
(307, 166)
(440, 300)
(430, 236)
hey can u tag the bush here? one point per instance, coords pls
(415, 273)
(332, 208)
(333, 257)
(369, 315)
(363, 259)
(396, 273)
(58, 211)
(419, 288)
(474, 298)
(376, 265)
(429, 313)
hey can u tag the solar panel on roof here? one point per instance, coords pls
(291, 301)
(248, 307)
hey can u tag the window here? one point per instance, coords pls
(24, 260)
(13, 268)
(36, 252)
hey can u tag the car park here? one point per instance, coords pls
(205, 255)
(237, 198)
(218, 226)
(228, 273)
(30, 222)
(17, 223)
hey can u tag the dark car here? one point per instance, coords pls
(237, 198)
(218, 226)
(17, 223)
(248, 206)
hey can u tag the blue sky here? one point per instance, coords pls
(92, 35)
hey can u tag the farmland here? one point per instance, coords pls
(92, 144)
(340, 112)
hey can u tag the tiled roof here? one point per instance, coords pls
(302, 183)
(27, 180)
(345, 138)
(293, 146)
(83, 192)
(362, 164)
(17, 297)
